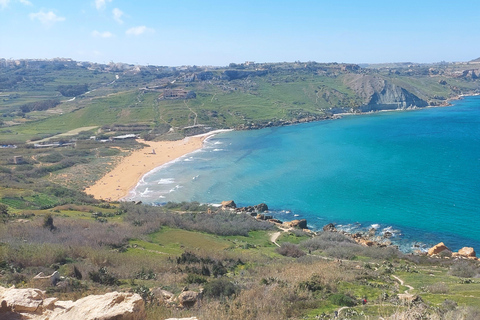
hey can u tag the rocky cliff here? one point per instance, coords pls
(380, 94)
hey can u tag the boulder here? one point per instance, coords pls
(33, 304)
(187, 299)
(467, 252)
(229, 204)
(329, 227)
(262, 207)
(366, 242)
(110, 306)
(22, 300)
(162, 295)
(302, 224)
(436, 249)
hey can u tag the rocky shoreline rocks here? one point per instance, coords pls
(368, 239)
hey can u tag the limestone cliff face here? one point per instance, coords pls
(379, 94)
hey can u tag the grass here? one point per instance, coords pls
(177, 238)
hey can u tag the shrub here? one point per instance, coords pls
(102, 276)
(464, 269)
(220, 288)
(194, 278)
(290, 250)
(51, 158)
(437, 288)
(313, 284)
(145, 275)
(341, 299)
(326, 240)
(145, 293)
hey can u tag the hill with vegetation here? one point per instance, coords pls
(44, 98)
(55, 118)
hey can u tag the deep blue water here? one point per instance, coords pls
(415, 171)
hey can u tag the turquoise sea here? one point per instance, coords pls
(414, 173)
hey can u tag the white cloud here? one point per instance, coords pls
(4, 3)
(25, 2)
(101, 4)
(105, 34)
(136, 31)
(117, 15)
(46, 18)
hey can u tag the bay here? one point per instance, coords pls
(413, 173)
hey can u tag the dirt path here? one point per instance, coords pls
(402, 283)
(274, 237)
(73, 132)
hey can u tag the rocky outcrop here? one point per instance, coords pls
(465, 252)
(302, 224)
(329, 227)
(259, 208)
(377, 94)
(187, 299)
(262, 207)
(162, 296)
(229, 204)
(33, 304)
(436, 249)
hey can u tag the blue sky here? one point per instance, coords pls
(211, 32)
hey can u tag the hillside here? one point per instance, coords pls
(185, 262)
(45, 98)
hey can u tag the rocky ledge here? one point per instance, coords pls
(33, 304)
(258, 212)
(440, 250)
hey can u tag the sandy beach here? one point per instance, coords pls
(116, 184)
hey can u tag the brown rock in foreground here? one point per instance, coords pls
(33, 304)
(436, 249)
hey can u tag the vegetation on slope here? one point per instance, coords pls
(128, 247)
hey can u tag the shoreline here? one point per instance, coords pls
(121, 180)
(124, 177)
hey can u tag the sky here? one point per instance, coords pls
(218, 32)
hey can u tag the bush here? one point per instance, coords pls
(102, 276)
(313, 284)
(326, 240)
(341, 299)
(220, 288)
(193, 278)
(222, 223)
(464, 269)
(437, 288)
(290, 250)
(51, 158)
